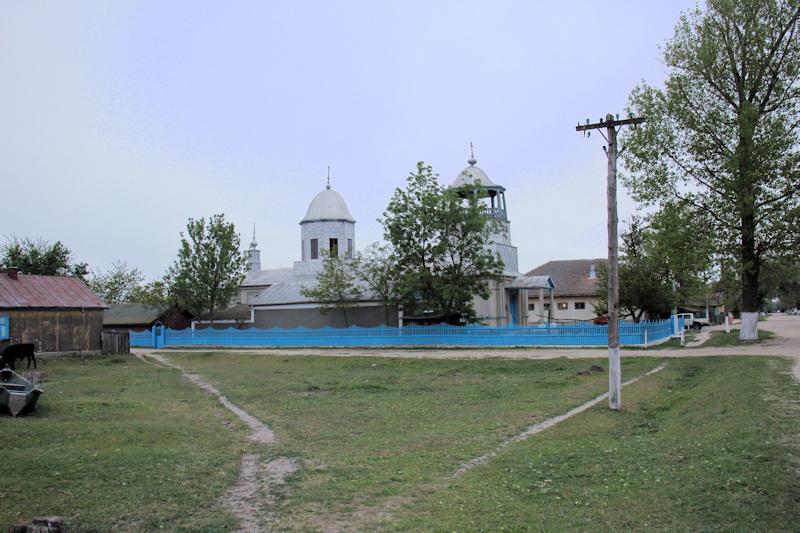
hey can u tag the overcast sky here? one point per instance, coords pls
(120, 120)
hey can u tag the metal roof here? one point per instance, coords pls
(328, 205)
(29, 290)
(130, 314)
(572, 277)
(531, 282)
(268, 277)
(472, 176)
(290, 293)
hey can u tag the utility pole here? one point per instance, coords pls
(612, 126)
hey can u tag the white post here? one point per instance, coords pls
(676, 324)
(683, 339)
(727, 324)
(645, 339)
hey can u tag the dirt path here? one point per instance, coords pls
(253, 495)
(546, 424)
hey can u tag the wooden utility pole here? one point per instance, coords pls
(612, 125)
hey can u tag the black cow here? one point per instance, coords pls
(18, 351)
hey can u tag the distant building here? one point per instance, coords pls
(56, 313)
(275, 295)
(509, 297)
(576, 294)
(139, 317)
(276, 298)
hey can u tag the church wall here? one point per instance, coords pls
(312, 318)
(325, 230)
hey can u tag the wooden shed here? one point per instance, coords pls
(56, 313)
(139, 317)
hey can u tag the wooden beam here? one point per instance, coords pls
(609, 124)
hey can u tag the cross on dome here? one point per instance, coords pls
(471, 159)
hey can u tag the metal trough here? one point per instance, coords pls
(17, 394)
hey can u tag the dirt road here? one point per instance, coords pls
(785, 343)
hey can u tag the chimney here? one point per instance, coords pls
(592, 271)
(12, 272)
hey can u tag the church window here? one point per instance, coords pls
(314, 248)
(580, 305)
(531, 307)
(547, 306)
(333, 247)
(302, 250)
(349, 248)
(563, 306)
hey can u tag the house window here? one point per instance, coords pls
(580, 305)
(302, 250)
(314, 248)
(333, 247)
(531, 307)
(563, 306)
(349, 248)
(547, 306)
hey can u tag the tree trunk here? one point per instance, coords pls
(747, 211)
(346, 322)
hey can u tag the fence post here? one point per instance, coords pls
(727, 324)
(645, 337)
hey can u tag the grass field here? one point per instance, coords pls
(707, 443)
(115, 444)
(720, 338)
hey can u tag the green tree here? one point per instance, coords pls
(155, 293)
(679, 237)
(40, 257)
(645, 282)
(376, 267)
(438, 239)
(780, 281)
(337, 286)
(210, 266)
(723, 134)
(116, 285)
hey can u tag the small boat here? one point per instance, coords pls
(17, 393)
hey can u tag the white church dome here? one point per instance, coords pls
(328, 205)
(473, 175)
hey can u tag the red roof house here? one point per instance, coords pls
(56, 313)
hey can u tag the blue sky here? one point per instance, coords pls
(120, 120)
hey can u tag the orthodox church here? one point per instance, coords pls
(275, 295)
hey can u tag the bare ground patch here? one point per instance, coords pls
(252, 499)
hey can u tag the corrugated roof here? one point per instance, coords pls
(571, 277)
(46, 291)
(531, 282)
(290, 293)
(268, 277)
(130, 314)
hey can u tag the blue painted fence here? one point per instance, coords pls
(4, 331)
(442, 335)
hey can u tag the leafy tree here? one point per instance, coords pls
(156, 294)
(780, 279)
(723, 134)
(337, 287)
(116, 285)
(210, 267)
(40, 257)
(679, 237)
(645, 282)
(438, 239)
(376, 267)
